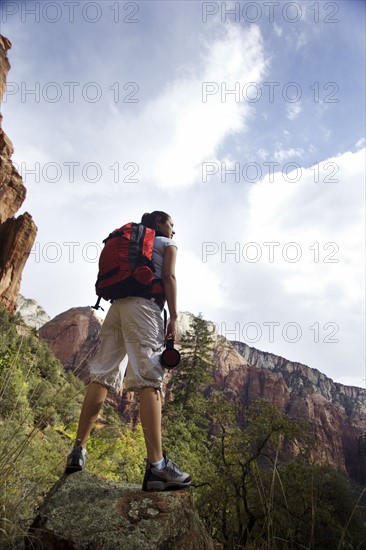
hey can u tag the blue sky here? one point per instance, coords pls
(248, 128)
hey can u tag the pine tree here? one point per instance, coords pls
(185, 419)
(193, 375)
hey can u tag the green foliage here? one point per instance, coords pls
(34, 394)
(13, 387)
(184, 417)
(31, 462)
(243, 459)
(315, 503)
(254, 496)
(117, 452)
(193, 375)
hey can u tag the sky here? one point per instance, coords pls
(245, 121)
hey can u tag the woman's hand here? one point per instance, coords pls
(172, 329)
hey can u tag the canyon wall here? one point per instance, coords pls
(17, 235)
(335, 413)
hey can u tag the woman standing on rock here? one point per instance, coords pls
(136, 354)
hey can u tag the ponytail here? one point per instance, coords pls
(155, 218)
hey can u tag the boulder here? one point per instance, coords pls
(85, 511)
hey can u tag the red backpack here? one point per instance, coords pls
(126, 267)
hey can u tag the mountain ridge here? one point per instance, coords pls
(276, 363)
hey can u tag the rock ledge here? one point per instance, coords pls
(84, 511)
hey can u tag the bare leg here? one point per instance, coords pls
(150, 415)
(93, 402)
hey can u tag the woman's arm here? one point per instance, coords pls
(170, 288)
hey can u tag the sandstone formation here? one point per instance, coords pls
(89, 512)
(301, 379)
(73, 336)
(336, 413)
(16, 234)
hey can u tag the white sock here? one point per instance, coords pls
(78, 444)
(160, 465)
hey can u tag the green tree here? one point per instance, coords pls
(193, 374)
(245, 451)
(317, 506)
(185, 421)
(262, 491)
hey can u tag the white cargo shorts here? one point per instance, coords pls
(132, 340)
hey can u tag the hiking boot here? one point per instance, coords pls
(169, 477)
(76, 459)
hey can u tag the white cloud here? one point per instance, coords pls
(322, 224)
(262, 154)
(295, 39)
(301, 39)
(198, 283)
(293, 110)
(277, 29)
(180, 128)
(281, 155)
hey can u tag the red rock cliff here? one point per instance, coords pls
(336, 413)
(73, 336)
(16, 234)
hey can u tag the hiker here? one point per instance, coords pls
(132, 338)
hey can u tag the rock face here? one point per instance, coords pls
(73, 336)
(301, 378)
(32, 313)
(336, 413)
(88, 512)
(16, 234)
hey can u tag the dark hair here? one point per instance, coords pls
(152, 220)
